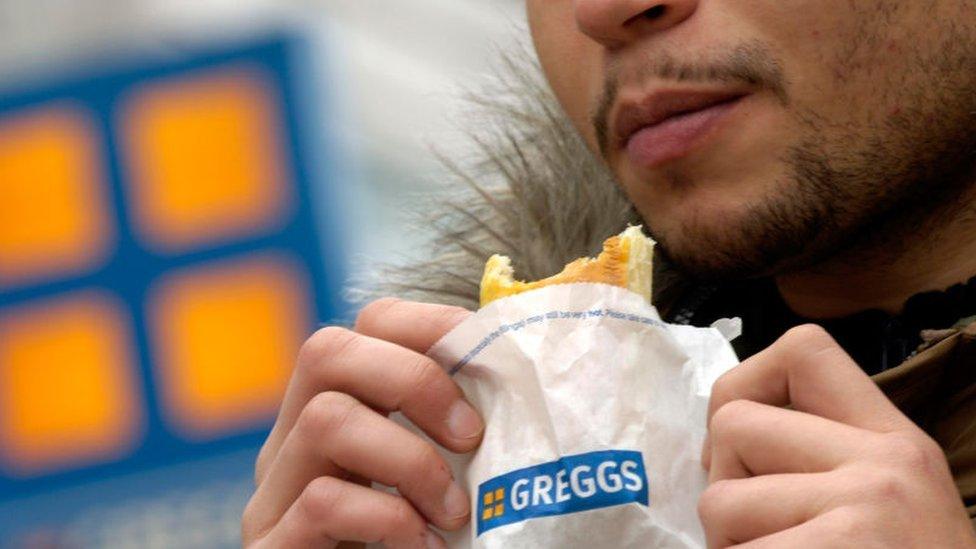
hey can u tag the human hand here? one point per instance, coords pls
(842, 467)
(332, 436)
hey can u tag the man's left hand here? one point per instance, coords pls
(804, 450)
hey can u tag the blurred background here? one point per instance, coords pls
(185, 186)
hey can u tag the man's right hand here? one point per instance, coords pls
(332, 437)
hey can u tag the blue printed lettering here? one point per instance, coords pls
(570, 484)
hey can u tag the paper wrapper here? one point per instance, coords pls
(595, 415)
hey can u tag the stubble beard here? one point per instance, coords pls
(840, 206)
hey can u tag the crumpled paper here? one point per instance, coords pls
(595, 414)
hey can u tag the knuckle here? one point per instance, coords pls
(810, 349)
(321, 497)
(845, 525)
(808, 335)
(262, 463)
(326, 343)
(885, 485)
(327, 413)
(423, 377)
(425, 460)
(367, 316)
(914, 452)
(401, 515)
(425, 467)
(722, 388)
(713, 502)
(449, 315)
(730, 417)
(251, 523)
(807, 340)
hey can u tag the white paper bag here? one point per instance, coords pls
(595, 415)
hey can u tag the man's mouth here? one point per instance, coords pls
(667, 124)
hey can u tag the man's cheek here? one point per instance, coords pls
(577, 87)
(571, 62)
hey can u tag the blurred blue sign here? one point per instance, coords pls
(160, 265)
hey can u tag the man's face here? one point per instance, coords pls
(813, 124)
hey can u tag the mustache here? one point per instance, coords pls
(751, 64)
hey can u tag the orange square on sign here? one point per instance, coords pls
(67, 388)
(226, 337)
(205, 159)
(53, 217)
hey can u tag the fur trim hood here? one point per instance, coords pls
(534, 192)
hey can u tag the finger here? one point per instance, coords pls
(332, 510)
(413, 325)
(336, 434)
(807, 370)
(382, 375)
(749, 439)
(736, 511)
(838, 527)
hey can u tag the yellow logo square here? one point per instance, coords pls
(493, 503)
(67, 387)
(54, 220)
(226, 337)
(205, 159)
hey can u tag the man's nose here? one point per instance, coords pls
(615, 23)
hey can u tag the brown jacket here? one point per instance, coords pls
(937, 389)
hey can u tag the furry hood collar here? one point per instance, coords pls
(533, 191)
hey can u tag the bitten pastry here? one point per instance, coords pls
(626, 261)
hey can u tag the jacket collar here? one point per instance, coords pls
(937, 389)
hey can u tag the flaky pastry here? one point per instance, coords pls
(626, 261)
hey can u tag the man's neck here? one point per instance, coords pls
(885, 276)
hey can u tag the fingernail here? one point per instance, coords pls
(463, 421)
(434, 541)
(455, 502)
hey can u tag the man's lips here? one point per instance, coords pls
(665, 125)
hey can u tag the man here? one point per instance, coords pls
(801, 160)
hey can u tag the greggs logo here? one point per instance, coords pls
(568, 485)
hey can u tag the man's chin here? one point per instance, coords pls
(733, 251)
(714, 233)
(711, 263)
